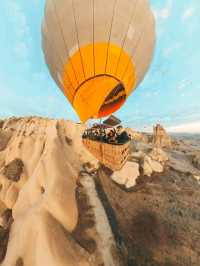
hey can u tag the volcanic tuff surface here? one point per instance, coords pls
(60, 207)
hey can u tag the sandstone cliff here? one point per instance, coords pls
(40, 162)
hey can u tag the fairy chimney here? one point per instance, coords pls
(160, 137)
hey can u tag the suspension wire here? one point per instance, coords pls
(77, 36)
(109, 38)
(115, 90)
(66, 47)
(52, 45)
(125, 36)
(94, 65)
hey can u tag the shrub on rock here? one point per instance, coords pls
(13, 170)
(4, 139)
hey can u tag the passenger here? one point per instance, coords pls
(99, 134)
(92, 134)
(96, 134)
(102, 134)
(84, 135)
(123, 137)
(119, 130)
(105, 136)
(112, 136)
(109, 136)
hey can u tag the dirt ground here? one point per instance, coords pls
(158, 222)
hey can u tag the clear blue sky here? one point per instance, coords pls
(170, 93)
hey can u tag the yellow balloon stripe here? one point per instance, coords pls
(104, 65)
(92, 95)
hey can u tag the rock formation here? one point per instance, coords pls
(149, 161)
(160, 137)
(137, 136)
(1, 123)
(196, 160)
(128, 175)
(149, 166)
(60, 207)
(40, 166)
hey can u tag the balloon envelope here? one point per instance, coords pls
(98, 51)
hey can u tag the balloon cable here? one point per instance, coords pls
(77, 36)
(66, 47)
(125, 36)
(110, 33)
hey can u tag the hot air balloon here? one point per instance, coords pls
(98, 51)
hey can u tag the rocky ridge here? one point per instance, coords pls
(146, 214)
(39, 177)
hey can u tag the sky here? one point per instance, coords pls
(169, 94)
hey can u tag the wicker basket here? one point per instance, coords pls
(111, 155)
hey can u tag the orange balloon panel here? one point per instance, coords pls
(98, 69)
(91, 95)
